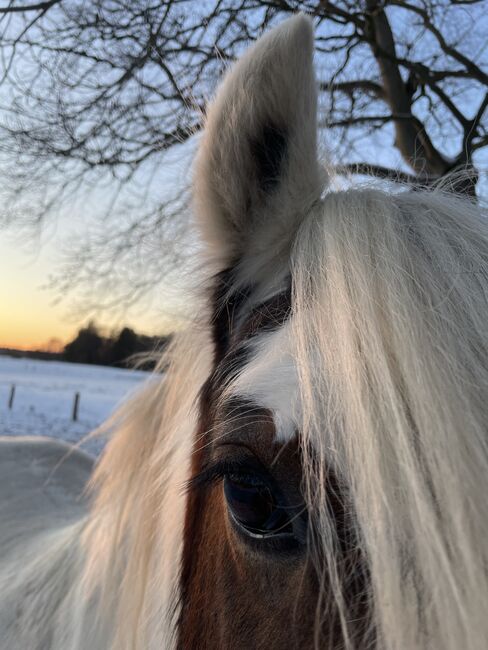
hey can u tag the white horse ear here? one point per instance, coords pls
(257, 171)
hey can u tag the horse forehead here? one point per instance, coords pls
(269, 379)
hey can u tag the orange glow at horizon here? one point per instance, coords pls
(28, 318)
(27, 343)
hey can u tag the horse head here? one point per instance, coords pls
(312, 470)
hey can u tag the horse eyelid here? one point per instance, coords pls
(215, 472)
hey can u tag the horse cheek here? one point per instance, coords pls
(237, 598)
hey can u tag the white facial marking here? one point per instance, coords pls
(270, 380)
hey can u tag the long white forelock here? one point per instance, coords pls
(382, 369)
(390, 292)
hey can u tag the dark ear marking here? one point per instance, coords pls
(268, 151)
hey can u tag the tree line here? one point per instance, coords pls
(123, 349)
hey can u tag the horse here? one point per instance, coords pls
(311, 468)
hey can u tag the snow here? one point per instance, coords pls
(44, 394)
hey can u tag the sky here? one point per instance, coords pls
(31, 314)
(28, 318)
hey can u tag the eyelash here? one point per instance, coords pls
(217, 472)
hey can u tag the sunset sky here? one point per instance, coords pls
(32, 314)
(29, 317)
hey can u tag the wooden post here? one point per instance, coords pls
(75, 406)
(11, 398)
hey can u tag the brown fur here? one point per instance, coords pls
(235, 596)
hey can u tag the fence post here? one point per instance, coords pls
(11, 397)
(75, 406)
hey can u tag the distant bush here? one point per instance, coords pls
(86, 347)
(122, 349)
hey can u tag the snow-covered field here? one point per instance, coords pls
(44, 394)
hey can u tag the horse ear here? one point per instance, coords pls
(257, 169)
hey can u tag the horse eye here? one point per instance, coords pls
(255, 508)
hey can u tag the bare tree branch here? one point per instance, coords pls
(411, 138)
(471, 129)
(355, 86)
(451, 51)
(37, 6)
(378, 171)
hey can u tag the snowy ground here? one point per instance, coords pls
(44, 393)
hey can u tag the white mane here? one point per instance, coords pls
(391, 339)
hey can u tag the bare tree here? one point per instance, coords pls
(96, 95)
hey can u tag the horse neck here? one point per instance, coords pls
(43, 600)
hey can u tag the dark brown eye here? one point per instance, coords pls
(255, 508)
